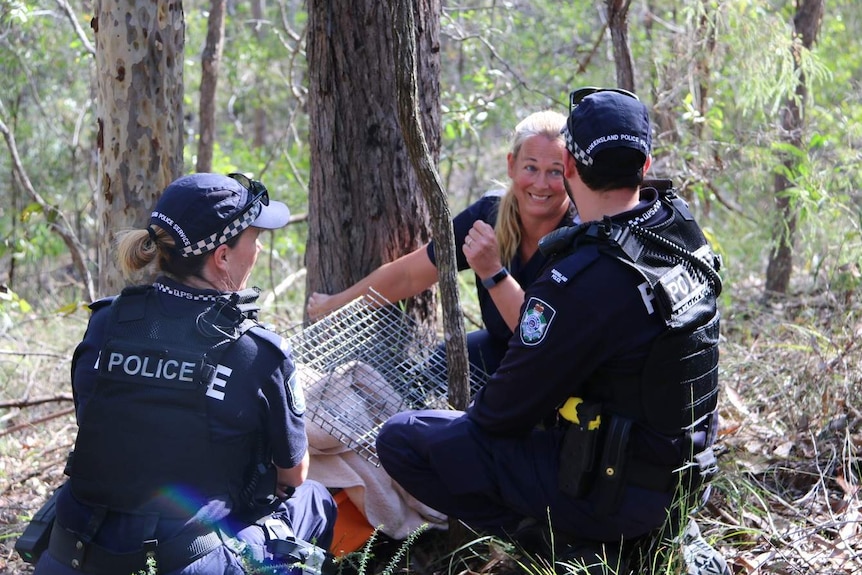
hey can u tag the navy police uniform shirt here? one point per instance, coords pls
(255, 389)
(587, 318)
(257, 383)
(525, 273)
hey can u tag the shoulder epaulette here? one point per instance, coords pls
(100, 303)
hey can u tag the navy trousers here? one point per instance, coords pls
(494, 483)
(310, 513)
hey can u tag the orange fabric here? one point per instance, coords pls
(351, 530)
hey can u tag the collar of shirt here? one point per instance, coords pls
(170, 287)
(648, 211)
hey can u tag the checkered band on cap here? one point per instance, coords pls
(576, 151)
(231, 230)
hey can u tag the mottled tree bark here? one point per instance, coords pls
(139, 61)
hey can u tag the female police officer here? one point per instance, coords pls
(182, 401)
(608, 387)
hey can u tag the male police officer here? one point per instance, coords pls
(605, 402)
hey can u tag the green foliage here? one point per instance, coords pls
(11, 304)
(365, 562)
(495, 72)
(714, 73)
(45, 101)
(404, 548)
(765, 81)
(731, 66)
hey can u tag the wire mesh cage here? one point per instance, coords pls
(365, 362)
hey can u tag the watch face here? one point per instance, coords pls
(495, 279)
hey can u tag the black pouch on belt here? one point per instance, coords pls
(612, 468)
(578, 451)
(33, 542)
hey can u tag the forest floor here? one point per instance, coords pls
(786, 501)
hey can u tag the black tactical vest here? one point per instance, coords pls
(677, 391)
(144, 442)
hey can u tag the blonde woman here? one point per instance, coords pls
(498, 236)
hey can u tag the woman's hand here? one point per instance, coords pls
(318, 305)
(481, 250)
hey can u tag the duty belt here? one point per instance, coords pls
(70, 549)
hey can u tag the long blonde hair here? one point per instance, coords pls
(137, 250)
(546, 123)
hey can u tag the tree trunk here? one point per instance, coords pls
(139, 62)
(618, 14)
(210, 64)
(444, 241)
(435, 195)
(260, 122)
(806, 23)
(364, 199)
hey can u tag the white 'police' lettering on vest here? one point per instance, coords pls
(216, 387)
(682, 289)
(647, 295)
(151, 367)
(158, 366)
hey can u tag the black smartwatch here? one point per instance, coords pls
(490, 282)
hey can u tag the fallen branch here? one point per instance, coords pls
(37, 421)
(35, 400)
(33, 353)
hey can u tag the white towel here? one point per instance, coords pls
(356, 398)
